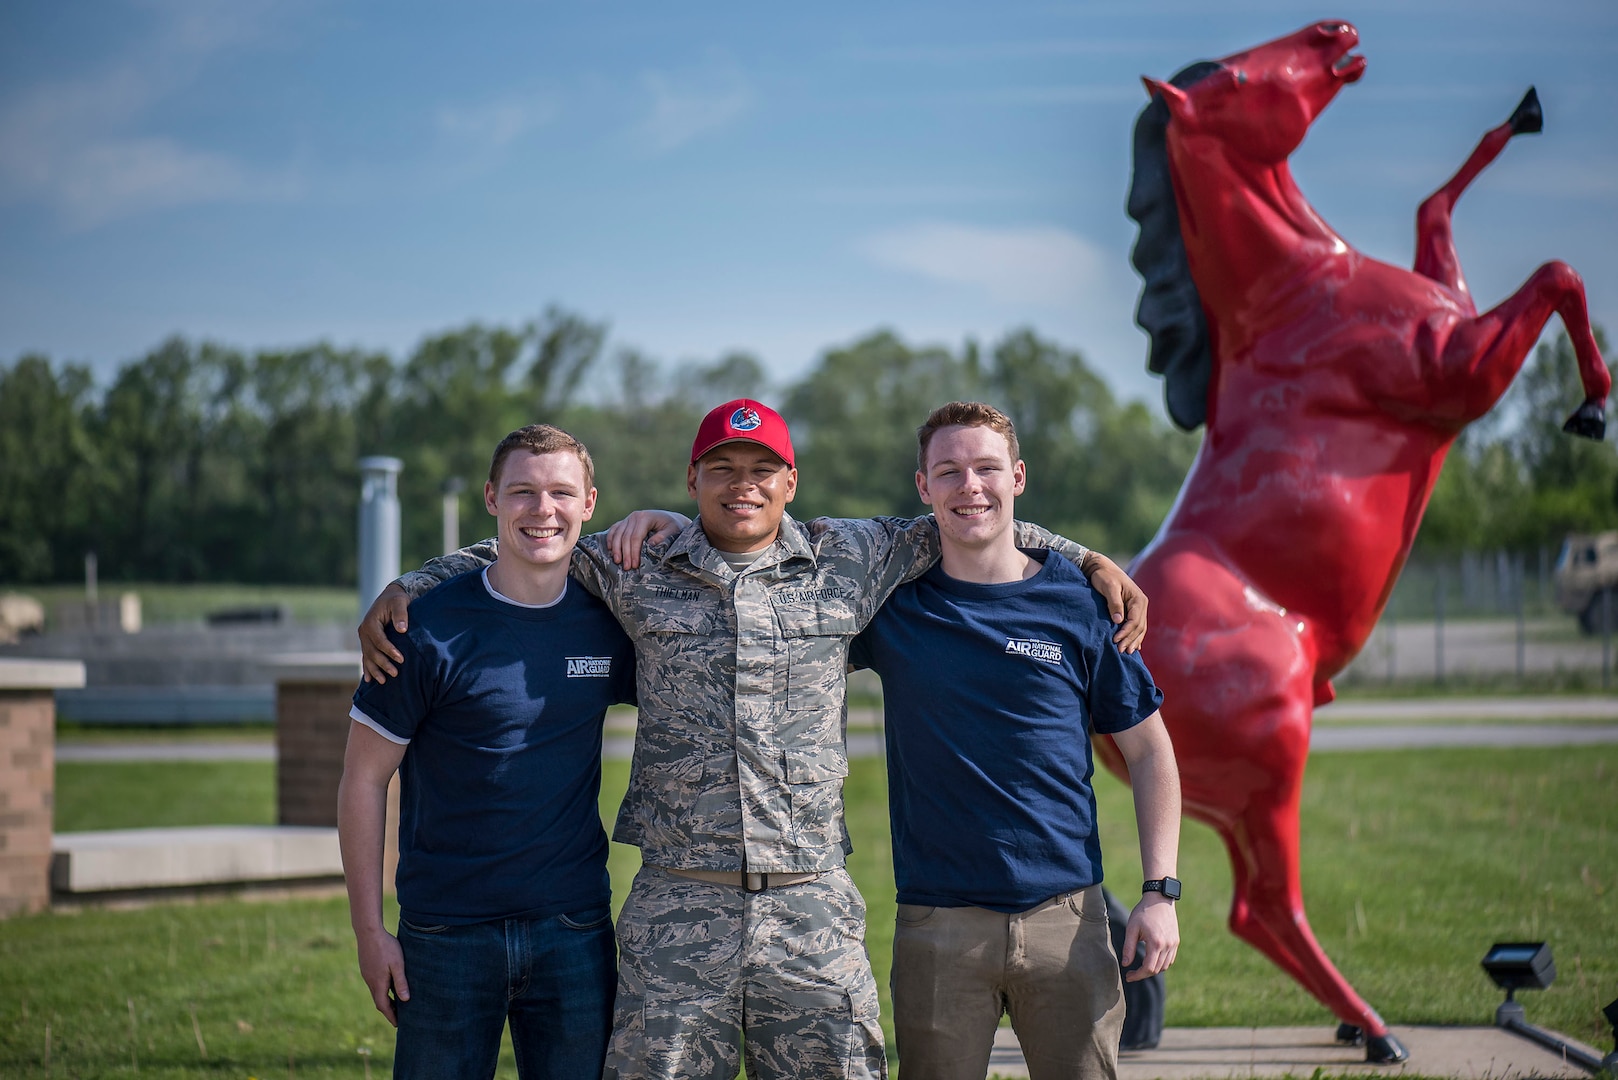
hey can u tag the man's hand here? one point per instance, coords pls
(377, 654)
(1153, 931)
(382, 968)
(1125, 601)
(625, 537)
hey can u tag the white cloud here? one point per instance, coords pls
(495, 124)
(686, 108)
(1042, 265)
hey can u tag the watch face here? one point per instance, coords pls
(1169, 887)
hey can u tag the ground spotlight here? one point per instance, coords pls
(1527, 965)
(1519, 965)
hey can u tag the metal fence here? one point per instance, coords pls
(1486, 618)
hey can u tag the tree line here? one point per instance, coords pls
(200, 462)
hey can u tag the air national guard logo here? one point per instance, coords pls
(1046, 652)
(589, 667)
(745, 419)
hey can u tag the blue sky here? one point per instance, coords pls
(710, 177)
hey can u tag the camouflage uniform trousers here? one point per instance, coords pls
(701, 966)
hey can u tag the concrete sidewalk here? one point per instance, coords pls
(1357, 725)
(1465, 1053)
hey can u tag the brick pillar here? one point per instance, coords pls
(28, 777)
(313, 693)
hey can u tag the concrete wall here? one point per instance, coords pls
(28, 778)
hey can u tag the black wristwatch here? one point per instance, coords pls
(1169, 887)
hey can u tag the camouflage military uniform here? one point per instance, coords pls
(738, 766)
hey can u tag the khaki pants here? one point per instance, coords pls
(956, 970)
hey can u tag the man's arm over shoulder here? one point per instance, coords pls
(880, 553)
(594, 568)
(434, 572)
(377, 656)
(1126, 603)
(391, 607)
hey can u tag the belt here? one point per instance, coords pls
(750, 882)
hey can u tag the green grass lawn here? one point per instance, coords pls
(124, 795)
(1414, 863)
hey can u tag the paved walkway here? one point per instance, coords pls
(1465, 1053)
(1353, 725)
(189, 750)
(1554, 707)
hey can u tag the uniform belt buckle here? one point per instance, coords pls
(755, 882)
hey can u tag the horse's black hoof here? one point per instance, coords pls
(1351, 1034)
(1529, 119)
(1588, 421)
(1385, 1050)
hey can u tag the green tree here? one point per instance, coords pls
(150, 503)
(1516, 480)
(47, 459)
(460, 393)
(854, 420)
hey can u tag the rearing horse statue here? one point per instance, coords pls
(1332, 385)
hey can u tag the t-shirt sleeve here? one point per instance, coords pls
(1121, 692)
(624, 673)
(859, 650)
(399, 705)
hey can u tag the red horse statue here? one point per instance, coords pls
(1332, 386)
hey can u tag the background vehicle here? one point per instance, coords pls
(1587, 579)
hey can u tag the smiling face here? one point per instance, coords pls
(971, 482)
(541, 501)
(742, 489)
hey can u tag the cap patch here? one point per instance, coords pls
(745, 419)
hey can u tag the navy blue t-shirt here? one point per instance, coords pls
(991, 693)
(502, 705)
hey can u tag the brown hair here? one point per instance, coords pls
(541, 439)
(964, 414)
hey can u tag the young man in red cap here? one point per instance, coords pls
(743, 927)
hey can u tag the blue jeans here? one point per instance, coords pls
(554, 979)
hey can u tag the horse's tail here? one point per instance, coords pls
(1170, 309)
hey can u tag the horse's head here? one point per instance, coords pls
(1261, 102)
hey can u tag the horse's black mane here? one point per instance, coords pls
(1170, 311)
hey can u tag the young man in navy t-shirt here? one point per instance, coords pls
(996, 666)
(494, 725)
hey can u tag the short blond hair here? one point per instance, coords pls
(541, 439)
(964, 414)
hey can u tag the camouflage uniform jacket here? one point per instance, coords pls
(739, 751)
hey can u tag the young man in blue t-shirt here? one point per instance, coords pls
(996, 666)
(495, 728)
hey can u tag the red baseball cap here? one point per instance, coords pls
(743, 420)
